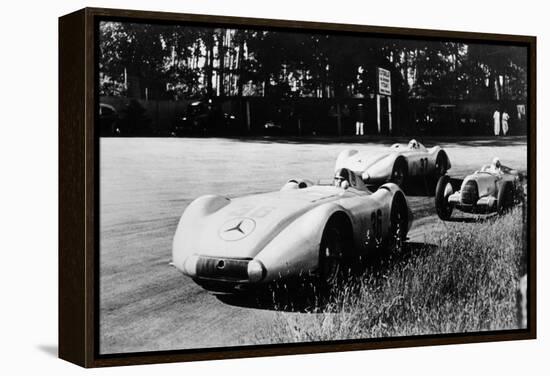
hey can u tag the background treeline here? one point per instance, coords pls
(182, 62)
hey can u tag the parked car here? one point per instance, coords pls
(273, 128)
(108, 118)
(203, 118)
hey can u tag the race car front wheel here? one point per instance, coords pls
(442, 192)
(332, 255)
(505, 197)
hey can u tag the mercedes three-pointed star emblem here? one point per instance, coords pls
(237, 228)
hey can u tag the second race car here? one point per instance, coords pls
(397, 164)
(302, 230)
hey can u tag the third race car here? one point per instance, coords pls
(493, 188)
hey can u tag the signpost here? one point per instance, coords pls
(384, 91)
(384, 81)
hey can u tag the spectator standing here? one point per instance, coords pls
(333, 113)
(360, 120)
(496, 120)
(505, 118)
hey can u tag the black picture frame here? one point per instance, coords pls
(78, 190)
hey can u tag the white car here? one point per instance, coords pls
(396, 164)
(302, 230)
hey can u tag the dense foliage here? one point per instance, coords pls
(177, 61)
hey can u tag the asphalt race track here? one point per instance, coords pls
(145, 185)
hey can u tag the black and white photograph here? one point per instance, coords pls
(262, 186)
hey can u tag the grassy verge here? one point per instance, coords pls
(467, 283)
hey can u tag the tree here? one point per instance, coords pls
(136, 50)
(185, 61)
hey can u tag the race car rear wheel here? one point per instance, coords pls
(399, 173)
(440, 170)
(505, 197)
(440, 165)
(332, 255)
(399, 223)
(442, 192)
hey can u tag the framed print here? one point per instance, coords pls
(235, 187)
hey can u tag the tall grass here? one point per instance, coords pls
(467, 283)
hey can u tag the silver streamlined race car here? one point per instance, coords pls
(493, 188)
(397, 164)
(231, 245)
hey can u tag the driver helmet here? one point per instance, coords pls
(413, 144)
(496, 163)
(341, 178)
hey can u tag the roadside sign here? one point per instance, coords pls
(384, 81)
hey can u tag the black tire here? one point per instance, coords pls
(505, 197)
(399, 173)
(442, 206)
(441, 165)
(440, 169)
(399, 222)
(333, 253)
(520, 190)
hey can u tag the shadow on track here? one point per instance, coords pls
(425, 187)
(303, 296)
(420, 186)
(289, 297)
(477, 219)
